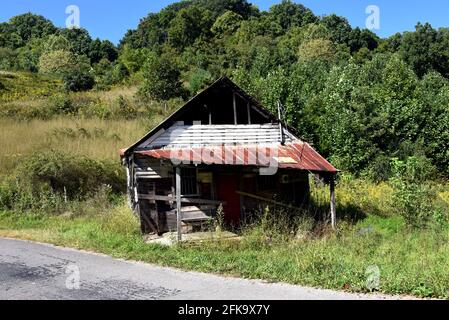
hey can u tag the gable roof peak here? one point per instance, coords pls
(222, 81)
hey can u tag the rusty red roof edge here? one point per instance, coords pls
(295, 155)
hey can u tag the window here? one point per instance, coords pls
(189, 182)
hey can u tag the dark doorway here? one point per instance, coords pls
(227, 186)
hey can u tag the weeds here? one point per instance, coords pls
(46, 181)
(409, 261)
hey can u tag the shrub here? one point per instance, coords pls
(198, 80)
(8, 58)
(62, 104)
(413, 202)
(78, 175)
(56, 62)
(414, 169)
(278, 225)
(412, 199)
(78, 80)
(125, 108)
(46, 180)
(380, 169)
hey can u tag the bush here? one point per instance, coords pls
(412, 199)
(46, 180)
(56, 62)
(125, 108)
(8, 58)
(380, 169)
(198, 80)
(78, 175)
(78, 80)
(413, 202)
(62, 104)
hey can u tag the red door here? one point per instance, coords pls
(227, 185)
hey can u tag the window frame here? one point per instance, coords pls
(195, 182)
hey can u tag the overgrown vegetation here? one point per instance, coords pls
(411, 261)
(359, 99)
(377, 108)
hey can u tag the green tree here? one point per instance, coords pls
(8, 58)
(188, 25)
(316, 49)
(227, 23)
(56, 62)
(133, 59)
(161, 78)
(73, 69)
(79, 40)
(57, 42)
(359, 39)
(199, 78)
(422, 49)
(433, 91)
(102, 50)
(27, 26)
(78, 79)
(219, 7)
(28, 56)
(339, 27)
(288, 15)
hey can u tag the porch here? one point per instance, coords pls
(196, 192)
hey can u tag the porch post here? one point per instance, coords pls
(333, 209)
(178, 202)
(234, 104)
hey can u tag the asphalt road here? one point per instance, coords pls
(31, 270)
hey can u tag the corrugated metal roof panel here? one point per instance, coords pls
(295, 155)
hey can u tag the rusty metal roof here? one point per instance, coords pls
(223, 81)
(295, 155)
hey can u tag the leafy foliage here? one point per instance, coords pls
(359, 99)
(162, 78)
(45, 178)
(413, 199)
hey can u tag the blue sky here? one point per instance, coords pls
(108, 19)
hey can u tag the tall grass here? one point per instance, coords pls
(93, 138)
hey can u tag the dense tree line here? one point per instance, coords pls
(360, 99)
(32, 43)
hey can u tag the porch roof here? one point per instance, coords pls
(293, 155)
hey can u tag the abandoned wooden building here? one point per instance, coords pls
(221, 147)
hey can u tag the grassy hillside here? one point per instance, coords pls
(95, 138)
(26, 86)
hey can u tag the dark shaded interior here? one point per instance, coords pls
(218, 102)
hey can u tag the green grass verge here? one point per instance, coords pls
(410, 262)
